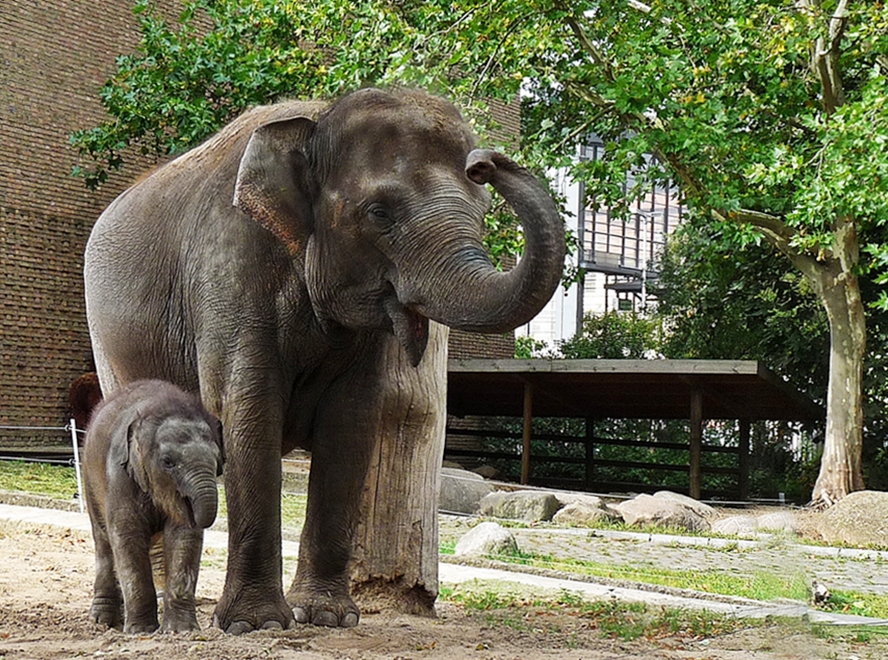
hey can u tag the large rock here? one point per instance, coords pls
(589, 500)
(527, 505)
(703, 509)
(647, 510)
(777, 521)
(735, 526)
(860, 519)
(460, 491)
(582, 513)
(487, 471)
(486, 539)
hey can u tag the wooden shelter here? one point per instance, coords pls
(695, 390)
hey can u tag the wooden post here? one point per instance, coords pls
(696, 443)
(528, 427)
(395, 557)
(590, 453)
(743, 477)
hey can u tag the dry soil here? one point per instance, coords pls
(45, 588)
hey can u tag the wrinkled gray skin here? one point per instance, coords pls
(150, 462)
(271, 267)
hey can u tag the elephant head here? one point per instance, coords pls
(175, 459)
(382, 199)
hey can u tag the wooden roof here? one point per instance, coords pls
(629, 389)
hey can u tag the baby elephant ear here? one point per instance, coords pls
(274, 184)
(133, 461)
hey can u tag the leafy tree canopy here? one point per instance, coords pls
(725, 92)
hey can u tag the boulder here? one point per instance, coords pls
(486, 539)
(644, 510)
(778, 521)
(860, 519)
(589, 500)
(735, 526)
(460, 491)
(527, 505)
(487, 471)
(581, 513)
(703, 509)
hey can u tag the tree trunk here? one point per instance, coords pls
(840, 468)
(395, 558)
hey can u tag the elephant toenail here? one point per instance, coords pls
(301, 615)
(239, 628)
(350, 620)
(325, 619)
(272, 625)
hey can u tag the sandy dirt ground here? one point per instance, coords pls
(45, 589)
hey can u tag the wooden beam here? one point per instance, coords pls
(589, 475)
(696, 482)
(743, 478)
(528, 429)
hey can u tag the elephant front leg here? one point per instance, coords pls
(253, 596)
(133, 567)
(182, 549)
(320, 593)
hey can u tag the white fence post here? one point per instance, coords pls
(74, 444)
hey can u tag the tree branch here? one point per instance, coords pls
(779, 235)
(690, 183)
(825, 57)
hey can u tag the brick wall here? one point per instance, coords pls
(54, 56)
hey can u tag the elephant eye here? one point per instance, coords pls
(379, 214)
(168, 462)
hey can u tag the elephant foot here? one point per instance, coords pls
(179, 621)
(252, 609)
(138, 627)
(324, 608)
(106, 611)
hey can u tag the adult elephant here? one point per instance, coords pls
(272, 268)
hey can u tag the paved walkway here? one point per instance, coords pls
(866, 571)
(839, 568)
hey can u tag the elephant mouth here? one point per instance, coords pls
(410, 328)
(189, 513)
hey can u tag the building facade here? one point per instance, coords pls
(618, 257)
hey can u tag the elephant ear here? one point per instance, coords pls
(274, 183)
(134, 462)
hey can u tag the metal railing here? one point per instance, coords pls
(40, 457)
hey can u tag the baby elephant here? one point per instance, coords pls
(150, 461)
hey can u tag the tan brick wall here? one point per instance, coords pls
(54, 57)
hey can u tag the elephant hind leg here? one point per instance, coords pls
(107, 603)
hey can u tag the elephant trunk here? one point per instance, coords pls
(471, 293)
(202, 494)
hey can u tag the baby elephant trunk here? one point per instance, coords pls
(202, 494)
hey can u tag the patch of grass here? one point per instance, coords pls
(859, 604)
(760, 586)
(38, 478)
(292, 508)
(612, 618)
(621, 526)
